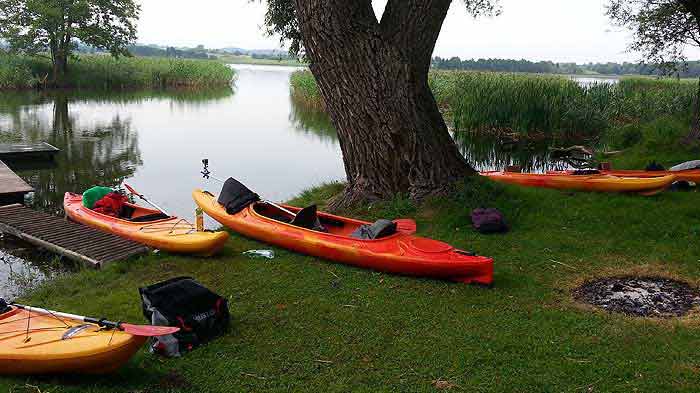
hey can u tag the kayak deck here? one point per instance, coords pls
(34, 343)
(400, 253)
(171, 234)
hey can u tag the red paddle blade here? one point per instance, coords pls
(131, 190)
(148, 330)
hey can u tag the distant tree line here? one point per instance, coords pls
(183, 53)
(691, 69)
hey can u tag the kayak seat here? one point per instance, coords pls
(127, 212)
(308, 218)
(586, 172)
(380, 229)
(150, 217)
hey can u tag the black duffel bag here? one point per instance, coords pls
(200, 314)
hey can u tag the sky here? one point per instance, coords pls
(557, 30)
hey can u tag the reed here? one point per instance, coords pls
(106, 72)
(502, 103)
(304, 91)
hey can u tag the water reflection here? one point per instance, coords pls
(312, 122)
(483, 152)
(488, 153)
(97, 152)
(23, 267)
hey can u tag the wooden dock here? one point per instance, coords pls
(27, 151)
(12, 187)
(72, 240)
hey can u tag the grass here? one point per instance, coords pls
(106, 72)
(305, 324)
(530, 104)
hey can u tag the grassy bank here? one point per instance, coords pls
(106, 72)
(537, 104)
(308, 325)
(243, 59)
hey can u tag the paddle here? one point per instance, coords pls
(134, 330)
(206, 173)
(131, 190)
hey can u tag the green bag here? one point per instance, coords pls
(91, 196)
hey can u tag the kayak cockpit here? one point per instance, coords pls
(330, 224)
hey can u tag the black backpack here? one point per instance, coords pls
(200, 314)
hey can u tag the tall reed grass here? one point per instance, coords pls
(304, 91)
(549, 105)
(106, 72)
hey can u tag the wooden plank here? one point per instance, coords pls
(11, 151)
(12, 187)
(74, 241)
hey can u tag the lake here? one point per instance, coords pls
(156, 140)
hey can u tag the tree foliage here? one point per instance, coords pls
(33, 26)
(281, 19)
(663, 29)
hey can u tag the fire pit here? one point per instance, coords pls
(640, 296)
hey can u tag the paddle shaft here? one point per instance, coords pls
(207, 175)
(131, 190)
(99, 322)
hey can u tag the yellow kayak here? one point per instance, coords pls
(593, 182)
(149, 227)
(36, 343)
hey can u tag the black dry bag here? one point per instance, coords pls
(200, 314)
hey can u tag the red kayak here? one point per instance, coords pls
(399, 251)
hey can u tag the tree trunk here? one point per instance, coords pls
(59, 61)
(693, 136)
(374, 80)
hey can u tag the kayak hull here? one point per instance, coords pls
(401, 253)
(172, 235)
(593, 183)
(44, 349)
(690, 175)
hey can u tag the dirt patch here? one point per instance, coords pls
(653, 297)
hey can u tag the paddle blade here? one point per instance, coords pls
(131, 190)
(148, 330)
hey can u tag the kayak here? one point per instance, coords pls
(400, 252)
(149, 227)
(592, 182)
(690, 175)
(35, 343)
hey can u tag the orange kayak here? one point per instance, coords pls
(164, 233)
(690, 175)
(593, 182)
(53, 345)
(401, 252)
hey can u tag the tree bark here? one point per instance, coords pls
(59, 59)
(374, 80)
(693, 136)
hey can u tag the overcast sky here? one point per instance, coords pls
(557, 30)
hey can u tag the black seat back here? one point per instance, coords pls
(306, 218)
(379, 229)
